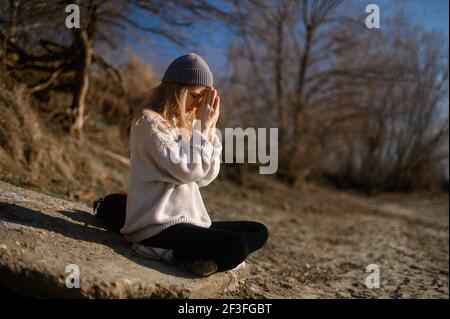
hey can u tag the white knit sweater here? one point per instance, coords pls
(163, 188)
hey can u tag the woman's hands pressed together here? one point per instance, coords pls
(208, 112)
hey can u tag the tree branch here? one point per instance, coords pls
(109, 69)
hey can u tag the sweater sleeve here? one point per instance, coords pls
(184, 162)
(215, 164)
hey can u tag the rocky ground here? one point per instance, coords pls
(45, 241)
(321, 242)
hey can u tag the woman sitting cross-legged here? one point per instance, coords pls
(174, 151)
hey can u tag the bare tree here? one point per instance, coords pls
(290, 48)
(62, 52)
(399, 90)
(338, 90)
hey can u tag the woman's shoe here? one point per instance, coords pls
(202, 268)
(155, 253)
(238, 267)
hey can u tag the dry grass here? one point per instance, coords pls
(36, 155)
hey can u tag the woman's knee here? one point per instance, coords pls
(233, 252)
(237, 245)
(262, 230)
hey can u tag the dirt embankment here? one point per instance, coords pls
(37, 154)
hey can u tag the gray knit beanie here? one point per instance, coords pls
(189, 69)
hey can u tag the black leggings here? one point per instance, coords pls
(227, 242)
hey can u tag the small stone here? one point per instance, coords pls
(285, 285)
(127, 281)
(3, 246)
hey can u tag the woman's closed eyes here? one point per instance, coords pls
(195, 95)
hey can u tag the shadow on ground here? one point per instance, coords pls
(92, 231)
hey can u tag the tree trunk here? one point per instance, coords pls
(81, 81)
(298, 147)
(279, 79)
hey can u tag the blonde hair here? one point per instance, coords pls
(167, 99)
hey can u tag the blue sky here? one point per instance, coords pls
(433, 15)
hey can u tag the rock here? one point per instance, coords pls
(45, 239)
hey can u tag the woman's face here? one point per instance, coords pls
(193, 98)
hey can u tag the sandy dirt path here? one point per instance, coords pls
(321, 242)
